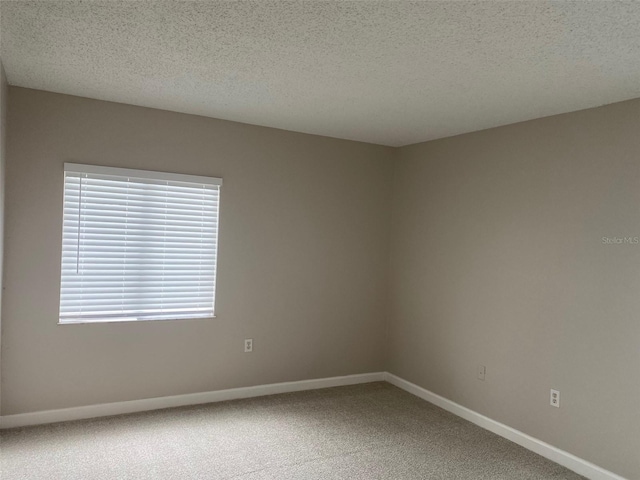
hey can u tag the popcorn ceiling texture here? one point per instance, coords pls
(392, 73)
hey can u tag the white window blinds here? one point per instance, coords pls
(137, 245)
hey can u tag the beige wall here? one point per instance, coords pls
(498, 260)
(302, 259)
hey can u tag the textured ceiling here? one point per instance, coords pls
(392, 73)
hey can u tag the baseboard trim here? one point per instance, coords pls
(566, 459)
(118, 408)
(554, 454)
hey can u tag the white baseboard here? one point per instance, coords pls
(554, 454)
(566, 459)
(118, 408)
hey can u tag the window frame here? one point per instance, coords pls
(127, 173)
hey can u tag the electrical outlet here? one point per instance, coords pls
(248, 345)
(555, 398)
(482, 371)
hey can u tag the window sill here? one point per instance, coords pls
(133, 320)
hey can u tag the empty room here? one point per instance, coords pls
(308, 240)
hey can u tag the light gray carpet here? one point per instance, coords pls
(372, 431)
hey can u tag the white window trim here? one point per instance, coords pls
(148, 174)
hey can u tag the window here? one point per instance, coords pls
(137, 245)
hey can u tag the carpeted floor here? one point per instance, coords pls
(372, 431)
